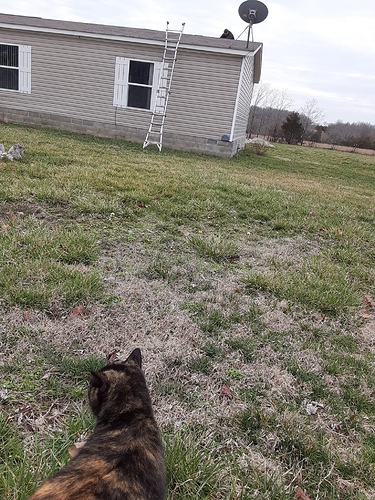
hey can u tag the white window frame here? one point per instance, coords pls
(24, 68)
(121, 87)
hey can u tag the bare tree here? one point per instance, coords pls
(268, 109)
(311, 115)
(360, 134)
(259, 101)
(282, 103)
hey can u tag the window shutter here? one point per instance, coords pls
(160, 79)
(121, 82)
(25, 69)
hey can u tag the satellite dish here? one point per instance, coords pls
(252, 12)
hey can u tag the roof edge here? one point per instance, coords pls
(191, 42)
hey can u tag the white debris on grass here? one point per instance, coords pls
(13, 153)
(3, 393)
(313, 408)
(260, 141)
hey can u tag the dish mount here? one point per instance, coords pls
(252, 12)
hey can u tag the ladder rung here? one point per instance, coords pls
(158, 114)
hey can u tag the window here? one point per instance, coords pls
(135, 83)
(15, 68)
(9, 67)
(140, 84)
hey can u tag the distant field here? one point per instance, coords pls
(346, 149)
(248, 284)
(334, 147)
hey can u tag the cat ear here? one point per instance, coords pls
(136, 357)
(99, 380)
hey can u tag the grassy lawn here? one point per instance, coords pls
(248, 284)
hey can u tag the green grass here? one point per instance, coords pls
(319, 285)
(23, 464)
(255, 273)
(40, 264)
(216, 249)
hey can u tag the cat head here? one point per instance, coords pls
(118, 388)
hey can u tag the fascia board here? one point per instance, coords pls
(242, 53)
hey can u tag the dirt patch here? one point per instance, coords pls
(366, 335)
(152, 315)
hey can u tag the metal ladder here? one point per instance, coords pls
(155, 130)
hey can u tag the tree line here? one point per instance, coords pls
(271, 118)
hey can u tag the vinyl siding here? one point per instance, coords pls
(244, 99)
(203, 94)
(74, 77)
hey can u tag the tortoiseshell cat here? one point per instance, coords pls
(123, 458)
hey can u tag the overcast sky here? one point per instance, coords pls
(321, 49)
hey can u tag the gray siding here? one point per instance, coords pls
(203, 95)
(244, 99)
(74, 77)
(72, 83)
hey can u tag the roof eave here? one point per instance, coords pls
(144, 41)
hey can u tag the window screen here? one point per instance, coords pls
(140, 84)
(141, 72)
(9, 67)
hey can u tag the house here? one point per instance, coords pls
(64, 75)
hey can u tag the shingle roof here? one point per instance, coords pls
(103, 30)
